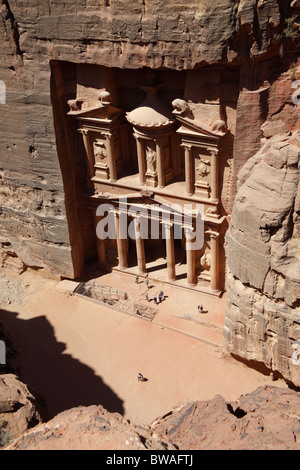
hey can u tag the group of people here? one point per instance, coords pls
(158, 298)
(161, 297)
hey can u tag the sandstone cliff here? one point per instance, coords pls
(262, 320)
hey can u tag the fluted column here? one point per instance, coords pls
(100, 243)
(141, 159)
(111, 160)
(190, 258)
(121, 243)
(170, 251)
(160, 163)
(189, 173)
(214, 174)
(140, 248)
(215, 274)
(89, 155)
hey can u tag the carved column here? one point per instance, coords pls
(141, 159)
(100, 244)
(169, 232)
(214, 174)
(121, 243)
(215, 275)
(140, 248)
(111, 160)
(190, 258)
(89, 155)
(189, 171)
(160, 164)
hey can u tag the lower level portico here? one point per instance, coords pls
(146, 239)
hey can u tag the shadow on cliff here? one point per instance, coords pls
(53, 375)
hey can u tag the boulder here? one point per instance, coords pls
(19, 410)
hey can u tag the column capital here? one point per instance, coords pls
(186, 146)
(190, 234)
(213, 151)
(136, 218)
(83, 131)
(137, 136)
(213, 235)
(167, 224)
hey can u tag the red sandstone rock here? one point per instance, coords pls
(90, 428)
(262, 318)
(267, 419)
(18, 409)
(270, 129)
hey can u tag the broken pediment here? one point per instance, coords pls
(186, 115)
(100, 110)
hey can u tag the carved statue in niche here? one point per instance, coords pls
(100, 152)
(151, 160)
(206, 262)
(203, 169)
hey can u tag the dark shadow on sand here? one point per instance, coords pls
(61, 380)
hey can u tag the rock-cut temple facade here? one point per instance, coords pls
(151, 172)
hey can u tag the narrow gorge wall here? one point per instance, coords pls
(263, 253)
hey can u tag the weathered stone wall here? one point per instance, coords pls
(41, 218)
(263, 253)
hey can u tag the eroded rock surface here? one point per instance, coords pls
(91, 428)
(18, 409)
(267, 419)
(263, 253)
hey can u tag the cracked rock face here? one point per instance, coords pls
(263, 253)
(18, 409)
(91, 428)
(266, 419)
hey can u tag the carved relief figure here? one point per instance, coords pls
(151, 160)
(100, 152)
(206, 262)
(203, 169)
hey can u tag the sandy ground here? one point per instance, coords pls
(74, 352)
